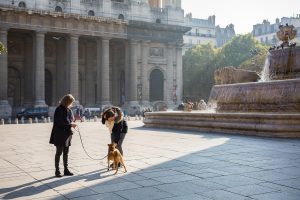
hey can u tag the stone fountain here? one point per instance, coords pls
(265, 108)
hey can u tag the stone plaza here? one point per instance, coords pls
(161, 164)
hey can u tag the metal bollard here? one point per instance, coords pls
(36, 120)
(2, 122)
(9, 121)
(95, 119)
(16, 121)
(49, 120)
(29, 120)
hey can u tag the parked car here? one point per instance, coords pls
(39, 112)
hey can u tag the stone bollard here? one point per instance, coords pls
(22, 120)
(136, 117)
(128, 118)
(45, 120)
(49, 120)
(83, 119)
(29, 120)
(95, 119)
(36, 120)
(16, 121)
(2, 122)
(9, 121)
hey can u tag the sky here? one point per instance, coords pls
(242, 13)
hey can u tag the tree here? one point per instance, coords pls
(200, 62)
(2, 48)
(198, 68)
(238, 50)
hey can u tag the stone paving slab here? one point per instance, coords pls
(161, 163)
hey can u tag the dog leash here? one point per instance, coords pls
(78, 131)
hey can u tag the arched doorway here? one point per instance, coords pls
(156, 85)
(48, 87)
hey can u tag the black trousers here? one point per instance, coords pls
(118, 138)
(59, 151)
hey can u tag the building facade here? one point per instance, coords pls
(205, 31)
(224, 35)
(202, 32)
(266, 32)
(104, 52)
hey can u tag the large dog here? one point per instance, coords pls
(115, 156)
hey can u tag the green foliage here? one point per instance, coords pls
(200, 62)
(2, 48)
(255, 63)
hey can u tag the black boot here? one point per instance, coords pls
(67, 172)
(57, 173)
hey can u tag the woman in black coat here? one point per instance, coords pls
(114, 120)
(61, 134)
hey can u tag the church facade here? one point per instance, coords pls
(104, 52)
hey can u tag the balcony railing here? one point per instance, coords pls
(92, 2)
(119, 5)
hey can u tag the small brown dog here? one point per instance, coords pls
(115, 156)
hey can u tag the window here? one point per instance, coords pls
(91, 13)
(121, 17)
(22, 4)
(58, 9)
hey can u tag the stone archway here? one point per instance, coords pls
(156, 85)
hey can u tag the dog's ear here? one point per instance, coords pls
(108, 144)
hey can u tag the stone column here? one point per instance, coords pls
(115, 74)
(127, 72)
(5, 108)
(74, 68)
(105, 84)
(145, 80)
(99, 72)
(169, 77)
(89, 74)
(28, 72)
(60, 69)
(132, 73)
(40, 70)
(179, 74)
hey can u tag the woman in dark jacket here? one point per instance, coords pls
(61, 134)
(114, 120)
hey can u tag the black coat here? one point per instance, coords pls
(61, 132)
(118, 129)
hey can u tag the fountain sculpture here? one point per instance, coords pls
(266, 108)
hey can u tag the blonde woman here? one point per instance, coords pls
(61, 134)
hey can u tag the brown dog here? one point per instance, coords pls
(115, 156)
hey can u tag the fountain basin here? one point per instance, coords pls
(285, 63)
(260, 124)
(280, 96)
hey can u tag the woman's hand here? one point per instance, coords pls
(73, 125)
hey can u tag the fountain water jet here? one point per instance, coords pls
(270, 108)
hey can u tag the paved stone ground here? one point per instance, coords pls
(162, 164)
